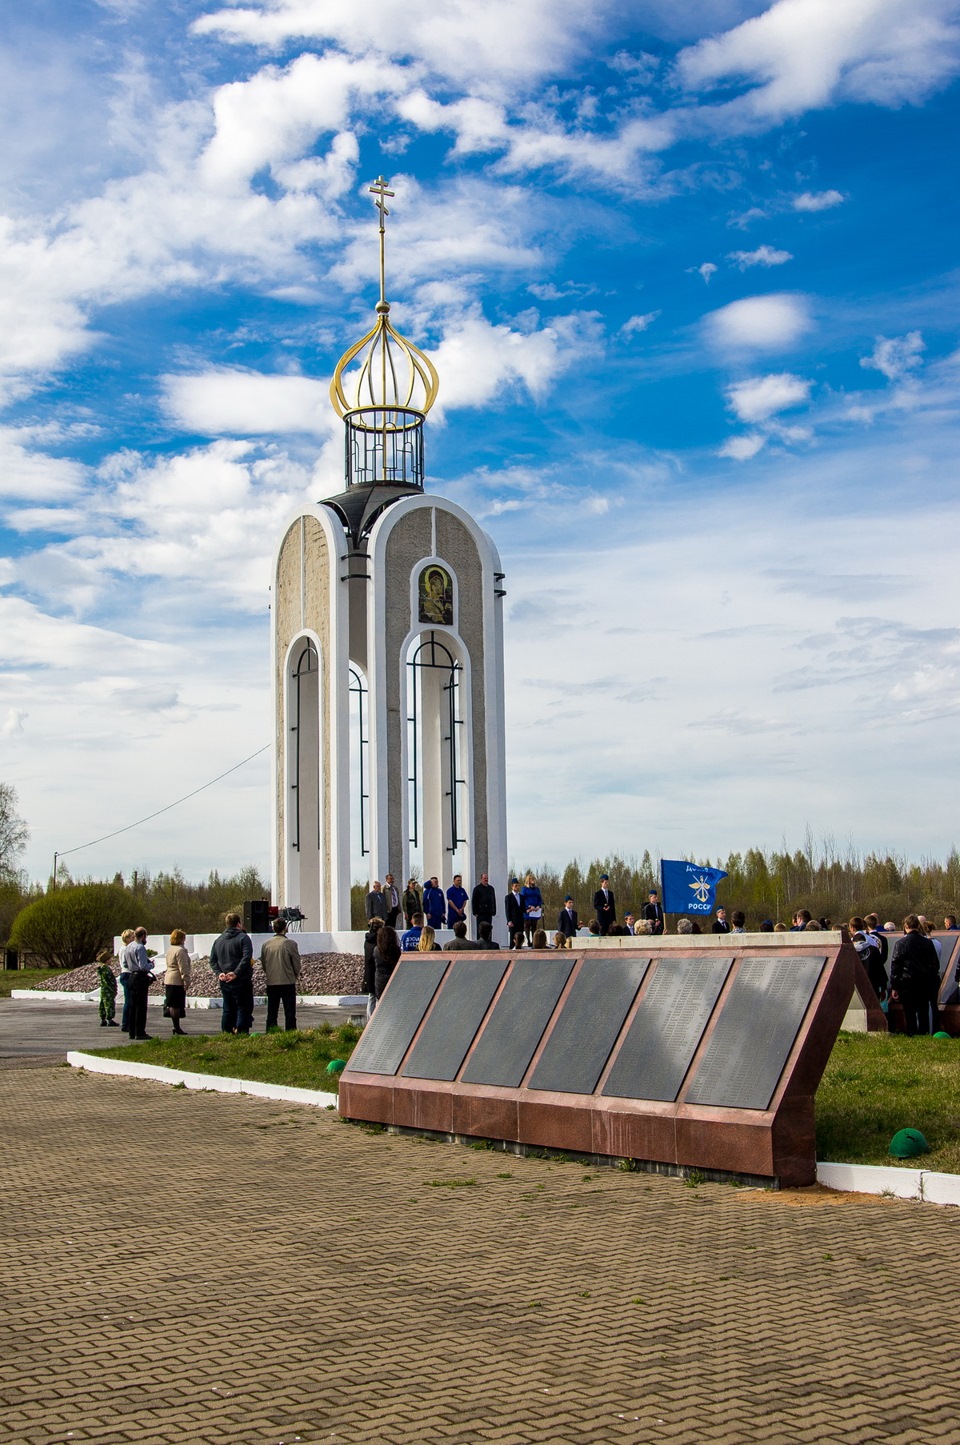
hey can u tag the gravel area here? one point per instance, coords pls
(322, 973)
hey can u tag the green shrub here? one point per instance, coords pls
(68, 928)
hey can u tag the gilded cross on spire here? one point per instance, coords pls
(379, 189)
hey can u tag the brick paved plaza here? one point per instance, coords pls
(192, 1267)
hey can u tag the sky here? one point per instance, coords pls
(690, 277)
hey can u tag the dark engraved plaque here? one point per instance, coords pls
(587, 1028)
(456, 1016)
(516, 1026)
(761, 1015)
(397, 1016)
(668, 1026)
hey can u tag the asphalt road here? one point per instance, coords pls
(37, 1030)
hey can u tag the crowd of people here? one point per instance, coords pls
(913, 979)
(910, 975)
(231, 958)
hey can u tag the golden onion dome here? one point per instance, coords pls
(383, 369)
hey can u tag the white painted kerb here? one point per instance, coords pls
(214, 1083)
(925, 1184)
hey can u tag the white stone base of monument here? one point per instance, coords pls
(343, 942)
(212, 1083)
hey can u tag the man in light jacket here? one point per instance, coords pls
(141, 976)
(231, 959)
(280, 958)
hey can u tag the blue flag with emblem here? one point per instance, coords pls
(688, 888)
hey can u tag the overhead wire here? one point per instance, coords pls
(166, 809)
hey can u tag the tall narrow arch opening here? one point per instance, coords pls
(304, 801)
(437, 771)
(360, 826)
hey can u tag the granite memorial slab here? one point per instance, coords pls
(709, 1054)
(459, 1011)
(399, 1014)
(755, 1032)
(593, 1014)
(654, 1058)
(515, 1028)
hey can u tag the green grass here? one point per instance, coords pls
(11, 978)
(298, 1058)
(876, 1084)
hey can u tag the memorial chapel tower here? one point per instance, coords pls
(387, 656)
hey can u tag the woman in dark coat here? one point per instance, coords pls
(386, 954)
(369, 986)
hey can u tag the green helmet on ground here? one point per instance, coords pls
(908, 1143)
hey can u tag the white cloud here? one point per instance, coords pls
(230, 402)
(759, 323)
(277, 114)
(27, 473)
(762, 256)
(477, 360)
(499, 45)
(806, 54)
(12, 725)
(742, 448)
(636, 324)
(817, 200)
(707, 270)
(896, 355)
(761, 397)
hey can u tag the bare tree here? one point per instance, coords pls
(13, 831)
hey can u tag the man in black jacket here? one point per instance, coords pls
(483, 901)
(720, 924)
(231, 959)
(914, 971)
(653, 910)
(485, 936)
(605, 906)
(568, 920)
(516, 914)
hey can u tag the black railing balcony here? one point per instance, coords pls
(384, 444)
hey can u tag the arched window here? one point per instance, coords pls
(435, 749)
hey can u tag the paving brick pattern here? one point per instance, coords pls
(197, 1268)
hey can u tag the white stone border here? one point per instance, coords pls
(886, 1179)
(308, 1000)
(215, 1083)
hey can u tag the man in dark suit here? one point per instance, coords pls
(516, 914)
(653, 910)
(483, 901)
(720, 924)
(569, 920)
(376, 903)
(605, 905)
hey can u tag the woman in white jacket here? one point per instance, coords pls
(176, 980)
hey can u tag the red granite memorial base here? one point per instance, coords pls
(776, 1142)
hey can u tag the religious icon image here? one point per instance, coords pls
(436, 596)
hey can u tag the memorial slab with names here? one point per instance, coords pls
(681, 1054)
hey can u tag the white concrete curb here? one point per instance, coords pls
(308, 1000)
(886, 1179)
(215, 1083)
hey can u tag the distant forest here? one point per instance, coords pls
(158, 901)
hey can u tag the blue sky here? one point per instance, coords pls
(692, 289)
